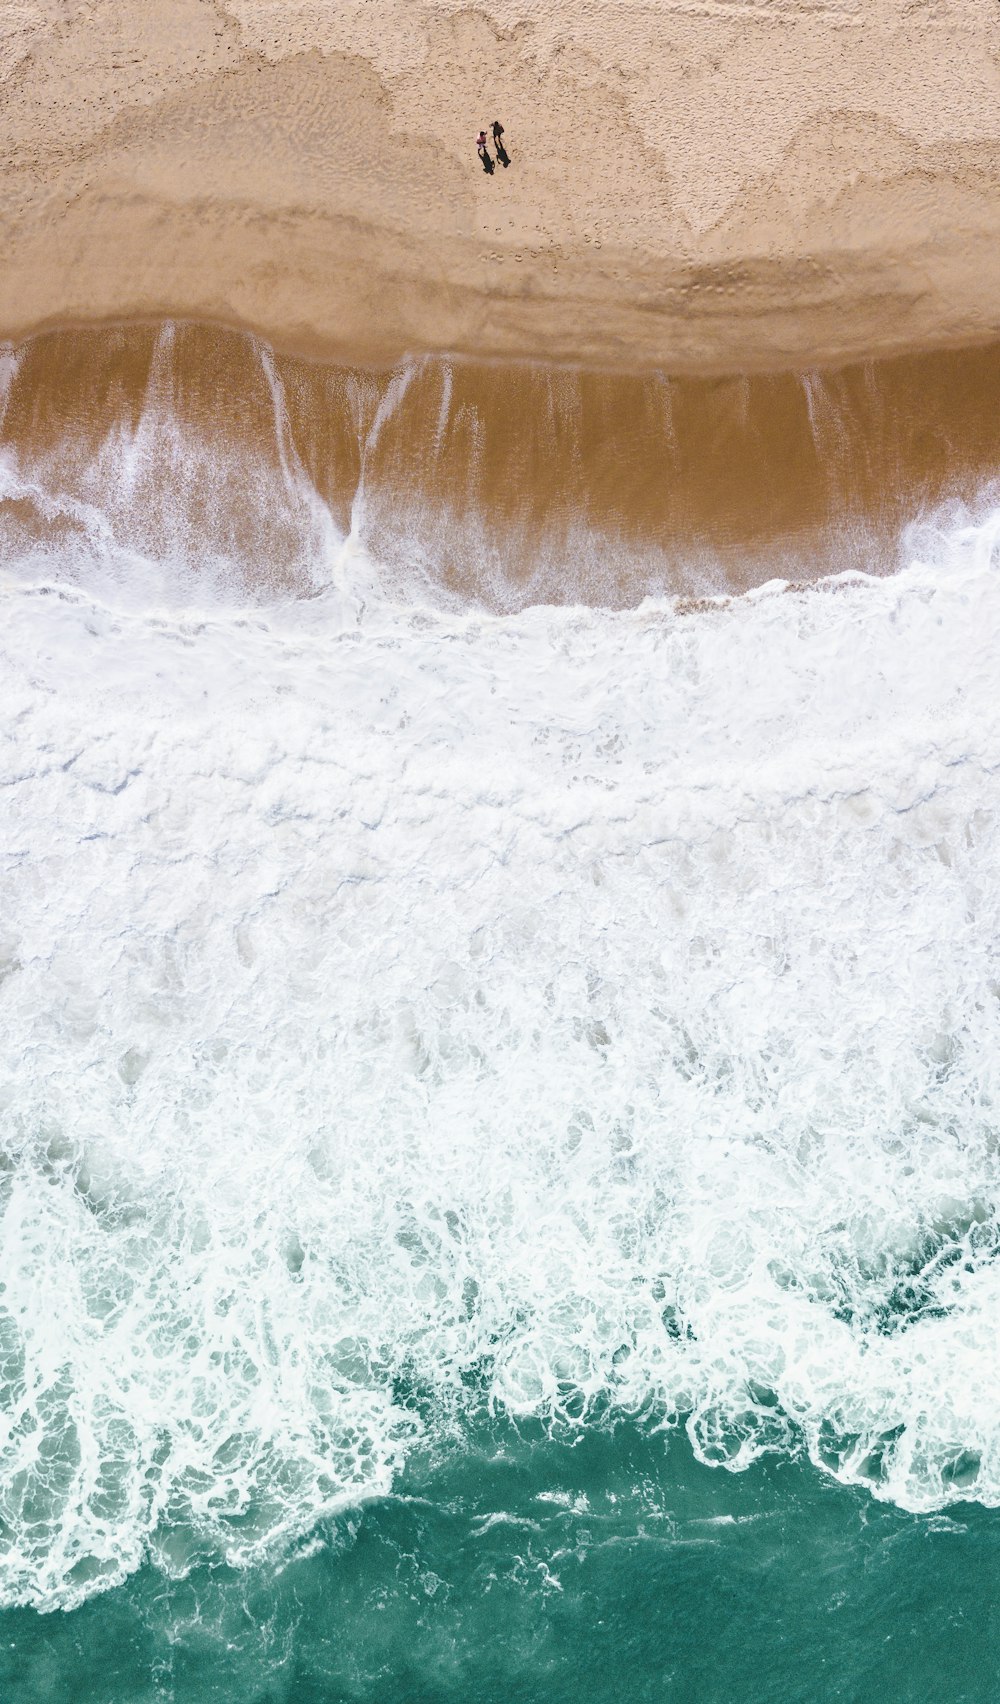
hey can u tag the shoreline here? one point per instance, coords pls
(693, 190)
(499, 482)
(383, 359)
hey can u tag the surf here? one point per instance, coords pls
(413, 1011)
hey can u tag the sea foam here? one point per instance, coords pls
(403, 1012)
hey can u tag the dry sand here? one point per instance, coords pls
(700, 185)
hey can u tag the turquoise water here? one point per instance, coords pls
(522, 1569)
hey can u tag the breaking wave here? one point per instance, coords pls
(408, 1010)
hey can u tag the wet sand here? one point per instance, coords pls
(502, 484)
(696, 185)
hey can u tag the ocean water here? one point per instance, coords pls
(498, 1161)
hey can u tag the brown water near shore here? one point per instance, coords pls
(503, 484)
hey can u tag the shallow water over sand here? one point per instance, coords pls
(187, 463)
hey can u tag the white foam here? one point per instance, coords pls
(590, 1014)
(369, 434)
(9, 363)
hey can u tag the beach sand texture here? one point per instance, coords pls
(698, 185)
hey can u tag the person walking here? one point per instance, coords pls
(484, 153)
(502, 154)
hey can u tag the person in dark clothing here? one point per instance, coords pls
(484, 153)
(502, 154)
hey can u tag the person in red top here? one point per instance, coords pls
(484, 153)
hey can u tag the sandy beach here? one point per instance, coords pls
(697, 185)
(499, 832)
